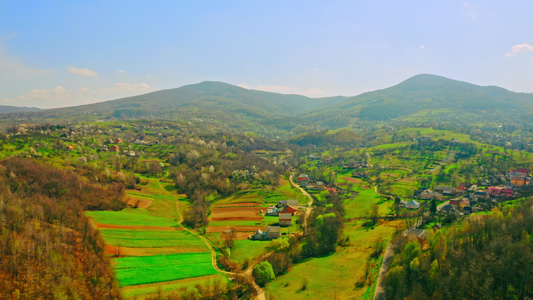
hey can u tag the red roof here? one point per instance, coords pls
(454, 202)
(507, 191)
(461, 188)
(333, 190)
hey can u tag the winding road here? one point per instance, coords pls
(260, 294)
(311, 200)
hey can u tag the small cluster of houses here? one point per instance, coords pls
(284, 210)
(311, 184)
(467, 195)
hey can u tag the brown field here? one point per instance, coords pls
(128, 251)
(137, 202)
(237, 204)
(137, 227)
(352, 180)
(237, 228)
(236, 214)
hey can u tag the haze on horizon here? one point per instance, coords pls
(73, 53)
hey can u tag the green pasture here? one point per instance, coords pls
(361, 205)
(247, 250)
(137, 291)
(160, 268)
(130, 217)
(151, 238)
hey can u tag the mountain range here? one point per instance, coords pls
(420, 98)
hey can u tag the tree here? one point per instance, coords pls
(433, 207)
(263, 273)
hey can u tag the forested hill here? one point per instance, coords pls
(428, 98)
(207, 98)
(49, 248)
(6, 109)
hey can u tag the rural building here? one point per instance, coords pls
(70, 148)
(429, 194)
(448, 208)
(303, 178)
(285, 219)
(290, 202)
(270, 233)
(507, 193)
(419, 234)
(118, 141)
(114, 148)
(271, 211)
(289, 209)
(412, 204)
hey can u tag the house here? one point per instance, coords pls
(114, 148)
(358, 175)
(467, 210)
(518, 180)
(271, 211)
(464, 203)
(288, 210)
(118, 141)
(494, 190)
(507, 193)
(331, 190)
(521, 171)
(437, 226)
(482, 195)
(429, 194)
(412, 204)
(419, 234)
(454, 202)
(285, 219)
(460, 190)
(270, 233)
(303, 178)
(448, 208)
(289, 202)
(445, 190)
(70, 148)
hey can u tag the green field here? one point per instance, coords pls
(130, 217)
(136, 291)
(151, 239)
(159, 268)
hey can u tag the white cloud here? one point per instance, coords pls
(121, 72)
(520, 48)
(61, 97)
(422, 47)
(82, 71)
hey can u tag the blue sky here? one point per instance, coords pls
(64, 53)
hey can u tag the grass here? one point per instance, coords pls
(363, 202)
(159, 268)
(247, 249)
(337, 273)
(135, 291)
(130, 216)
(151, 239)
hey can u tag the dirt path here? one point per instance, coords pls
(309, 205)
(246, 273)
(379, 293)
(383, 195)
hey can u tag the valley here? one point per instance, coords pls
(195, 207)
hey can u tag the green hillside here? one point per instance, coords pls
(428, 98)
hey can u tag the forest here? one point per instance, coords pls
(482, 257)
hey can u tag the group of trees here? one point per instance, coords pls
(48, 247)
(482, 257)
